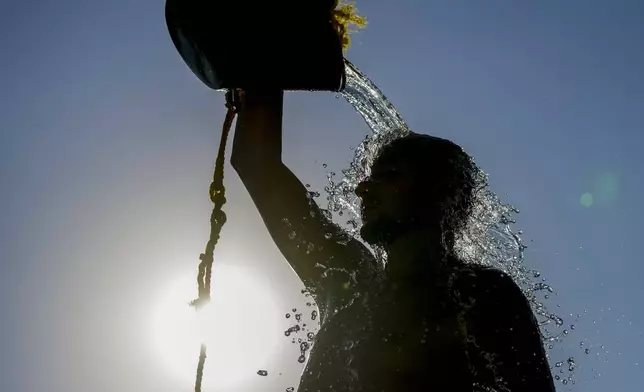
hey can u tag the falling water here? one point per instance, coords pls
(488, 238)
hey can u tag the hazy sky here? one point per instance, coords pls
(107, 142)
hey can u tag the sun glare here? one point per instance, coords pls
(240, 327)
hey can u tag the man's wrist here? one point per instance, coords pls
(261, 98)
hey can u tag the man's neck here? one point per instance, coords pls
(414, 253)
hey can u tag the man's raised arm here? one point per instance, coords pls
(309, 241)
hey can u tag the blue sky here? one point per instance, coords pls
(107, 142)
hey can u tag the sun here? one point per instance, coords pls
(240, 327)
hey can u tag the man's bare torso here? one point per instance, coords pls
(393, 336)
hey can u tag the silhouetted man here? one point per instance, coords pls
(425, 322)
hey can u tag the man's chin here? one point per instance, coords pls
(378, 232)
(367, 233)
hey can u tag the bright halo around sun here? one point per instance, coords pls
(240, 327)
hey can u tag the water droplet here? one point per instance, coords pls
(295, 328)
(301, 359)
(262, 372)
(314, 315)
(288, 315)
(294, 310)
(324, 165)
(290, 389)
(310, 336)
(571, 364)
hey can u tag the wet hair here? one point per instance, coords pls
(449, 169)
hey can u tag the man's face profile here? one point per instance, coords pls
(390, 198)
(411, 180)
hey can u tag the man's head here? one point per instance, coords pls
(417, 182)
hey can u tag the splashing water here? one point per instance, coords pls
(488, 237)
(305, 343)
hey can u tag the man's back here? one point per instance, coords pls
(413, 335)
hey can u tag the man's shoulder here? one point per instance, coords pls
(487, 285)
(481, 275)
